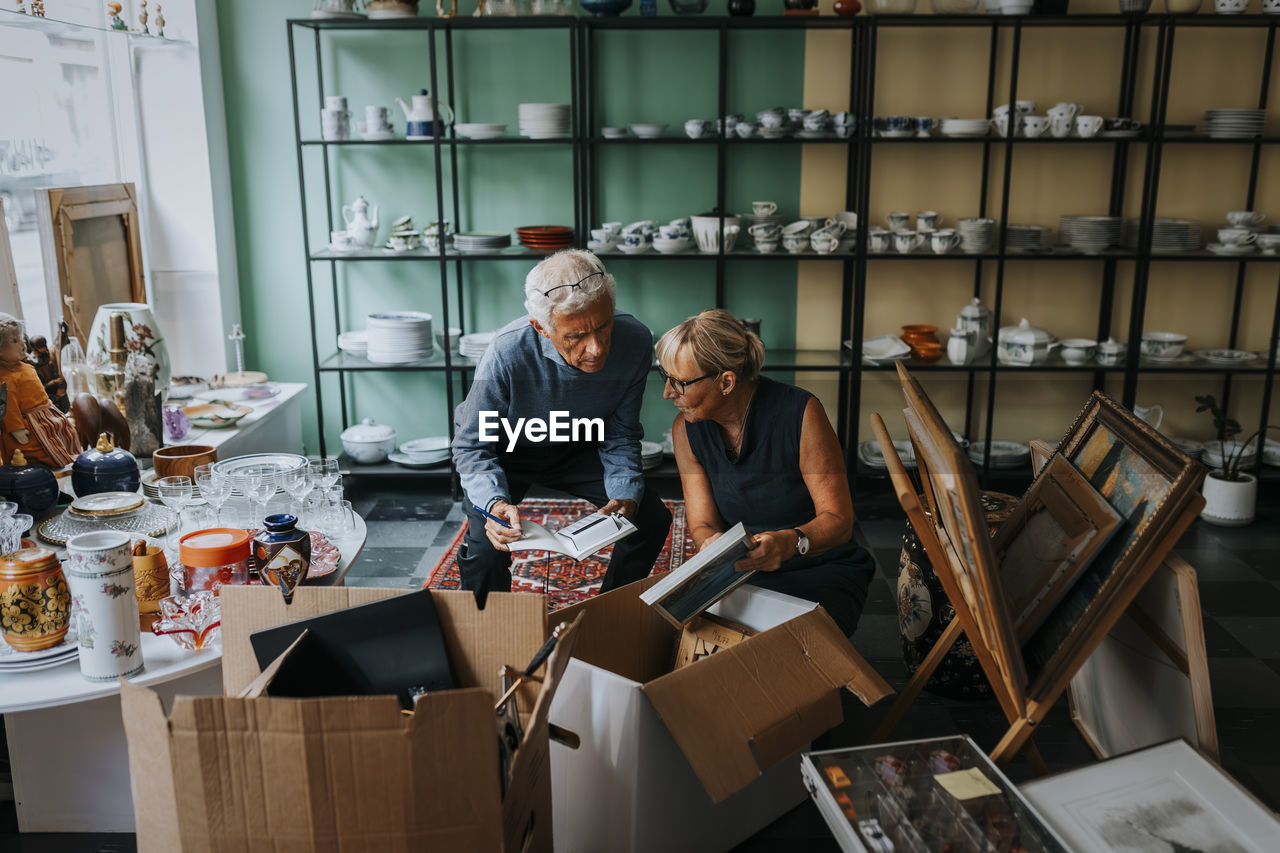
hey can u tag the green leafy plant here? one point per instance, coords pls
(1227, 428)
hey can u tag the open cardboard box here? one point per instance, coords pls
(255, 773)
(704, 756)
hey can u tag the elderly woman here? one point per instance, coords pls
(759, 452)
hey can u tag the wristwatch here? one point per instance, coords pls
(802, 542)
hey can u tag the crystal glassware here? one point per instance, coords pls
(192, 621)
(175, 493)
(262, 488)
(325, 471)
(214, 487)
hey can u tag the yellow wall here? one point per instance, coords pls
(942, 71)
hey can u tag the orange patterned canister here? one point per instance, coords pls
(35, 604)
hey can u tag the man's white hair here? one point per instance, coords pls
(567, 267)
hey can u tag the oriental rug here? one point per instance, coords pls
(563, 579)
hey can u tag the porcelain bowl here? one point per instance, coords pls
(669, 246)
(1077, 350)
(648, 131)
(613, 132)
(1163, 344)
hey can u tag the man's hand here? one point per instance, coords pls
(770, 549)
(498, 535)
(624, 508)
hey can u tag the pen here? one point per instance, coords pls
(491, 517)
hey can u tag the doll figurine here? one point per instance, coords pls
(31, 423)
(117, 23)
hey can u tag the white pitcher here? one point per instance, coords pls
(1151, 414)
(362, 226)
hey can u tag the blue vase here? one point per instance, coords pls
(282, 553)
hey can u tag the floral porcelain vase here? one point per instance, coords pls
(35, 606)
(142, 338)
(100, 574)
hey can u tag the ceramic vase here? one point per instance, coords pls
(100, 574)
(35, 605)
(1229, 503)
(142, 338)
(282, 553)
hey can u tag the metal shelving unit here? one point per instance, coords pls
(857, 266)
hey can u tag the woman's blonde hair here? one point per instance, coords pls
(718, 343)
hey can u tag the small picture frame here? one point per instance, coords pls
(702, 581)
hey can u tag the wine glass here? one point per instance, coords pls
(325, 471)
(175, 493)
(298, 484)
(262, 488)
(214, 488)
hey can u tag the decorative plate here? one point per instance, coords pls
(11, 658)
(1185, 358)
(149, 520)
(1225, 356)
(869, 453)
(247, 393)
(106, 504)
(217, 414)
(431, 444)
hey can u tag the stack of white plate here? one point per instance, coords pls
(12, 660)
(964, 127)
(354, 343)
(1189, 446)
(883, 348)
(396, 337)
(481, 241)
(423, 452)
(1004, 454)
(976, 234)
(1026, 238)
(1167, 235)
(1090, 234)
(545, 121)
(1271, 453)
(480, 130)
(1234, 124)
(650, 455)
(869, 453)
(474, 345)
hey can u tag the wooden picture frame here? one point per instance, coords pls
(1049, 540)
(91, 242)
(10, 299)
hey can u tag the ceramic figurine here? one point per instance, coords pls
(159, 20)
(117, 23)
(282, 553)
(37, 8)
(142, 18)
(46, 367)
(21, 9)
(32, 424)
(453, 9)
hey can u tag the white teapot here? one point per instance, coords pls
(362, 227)
(976, 318)
(418, 117)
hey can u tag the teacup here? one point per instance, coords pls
(795, 243)
(636, 238)
(906, 242)
(844, 131)
(1060, 125)
(766, 247)
(1268, 243)
(1163, 344)
(745, 129)
(1077, 350)
(1025, 108)
(1245, 218)
(799, 228)
(847, 218)
(771, 118)
(928, 219)
(1236, 236)
(765, 231)
(842, 119)
(897, 124)
(1034, 126)
(335, 125)
(764, 208)
(613, 228)
(1087, 127)
(602, 235)
(341, 240)
(879, 241)
(923, 125)
(898, 220)
(1064, 109)
(696, 128)
(335, 102)
(824, 242)
(403, 242)
(673, 232)
(943, 241)
(816, 121)
(797, 114)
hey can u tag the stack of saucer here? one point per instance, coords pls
(1026, 238)
(1090, 234)
(964, 127)
(650, 455)
(1234, 124)
(481, 241)
(396, 337)
(976, 234)
(545, 121)
(1167, 235)
(423, 452)
(474, 345)
(12, 660)
(354, 343)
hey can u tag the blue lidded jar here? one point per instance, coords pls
(282, 553)
(105, 468)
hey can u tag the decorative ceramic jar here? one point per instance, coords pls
(924, 612)
(33, 488)
(105, 468)
(282, 553)
(35, 605)
(368, 443)
(142, 338)
(976, 317)
(1024, 344)
(100, 575)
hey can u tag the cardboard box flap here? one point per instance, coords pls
(650, 639)
(150, 766)
(738, 712)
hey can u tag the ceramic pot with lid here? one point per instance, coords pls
(35, 600)
(368, 443)
(976, 317)
(34, 488)
(105, 468)
(1025, 344)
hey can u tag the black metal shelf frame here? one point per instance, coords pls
(585, 89)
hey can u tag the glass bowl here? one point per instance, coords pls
(192, 621)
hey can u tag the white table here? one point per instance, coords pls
(67, 747)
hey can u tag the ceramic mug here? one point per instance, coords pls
(99, 572)
(1034, 126)
(824, 242)
(929, 219)
(879, 241)
(943, 241)
(335, 102)
(1060, 126)
(1236, 236)
(898, 220)
(375, 119)
(907, 241)
(764, 208)
(1088, 126)
(1245, 218)
(335, 125)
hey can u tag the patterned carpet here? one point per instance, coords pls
(565, 580)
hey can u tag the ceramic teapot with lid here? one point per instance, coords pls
(418, 117)
(362, 226)
(976, 317)
(1025, 344)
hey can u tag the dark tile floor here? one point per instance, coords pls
(1239, 574)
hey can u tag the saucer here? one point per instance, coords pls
(408, 461)
(379, 136)
(1184, 358)
(342, 250)
(1224, 249)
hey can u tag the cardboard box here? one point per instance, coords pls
(348, 773)
(702, 757)
(705, 635)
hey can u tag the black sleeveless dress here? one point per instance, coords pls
(764, 488)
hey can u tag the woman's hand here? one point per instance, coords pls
(770, 549)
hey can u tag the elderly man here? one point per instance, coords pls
(573, 359)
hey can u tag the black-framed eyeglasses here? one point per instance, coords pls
(681, 385)
(577, 283)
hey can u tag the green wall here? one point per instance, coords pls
(657, 76)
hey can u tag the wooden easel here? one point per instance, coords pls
(954, 537)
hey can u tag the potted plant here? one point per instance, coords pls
(1230, 494)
